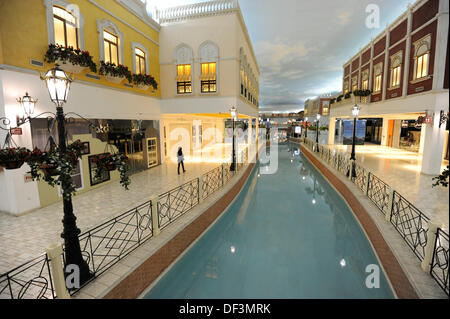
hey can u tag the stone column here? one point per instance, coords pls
(441, 45)
(433, 147)
(386, 63)
(331, 130)
(407, 53)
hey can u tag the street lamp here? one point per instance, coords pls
(355, 112)
(58, 85)
(28, 104)
(234, 116)
(306, 128)
(317, 132)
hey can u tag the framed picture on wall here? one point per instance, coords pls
(92, 166)
(86, 148)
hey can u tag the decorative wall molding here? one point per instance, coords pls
(123, 21)
(139, 9)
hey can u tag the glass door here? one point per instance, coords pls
(152, 152)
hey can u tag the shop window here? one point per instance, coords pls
(184, 79)
(105, 176)
(65, 28)
(208, 78)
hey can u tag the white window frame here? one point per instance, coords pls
(355, 80)
(135, 45)
(396, 61)
(424, 41)
(72, 8)
(378, 71)
(109, 26)
(208, 52)
(184, 55)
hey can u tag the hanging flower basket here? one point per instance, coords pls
(111, 162)
(9, 165)
(49, 169)
(13, 158)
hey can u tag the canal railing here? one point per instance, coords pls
(426, 239)
(105, 245)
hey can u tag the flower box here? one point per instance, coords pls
(109, 167)
(69, 67)
(113, 79)
(143, 87)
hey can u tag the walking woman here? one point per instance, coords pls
(180, 160)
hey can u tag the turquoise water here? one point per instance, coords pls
(274, 242)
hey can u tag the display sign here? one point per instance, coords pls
(360, 132)
(298, 130)
(15, 131)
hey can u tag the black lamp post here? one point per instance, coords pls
(317, 132)
(306, 128)
(355, 112)
(234, 116)
(58, 85)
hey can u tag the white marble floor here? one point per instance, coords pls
(25, 237)
(401, 170)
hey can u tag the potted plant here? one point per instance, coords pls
(115, 73)
(144, 81)
(110, 162)
(69, 59)
(13, 158)
(348, 95)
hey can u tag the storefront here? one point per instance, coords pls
(410, 135)
(137, 139)
(373, 131)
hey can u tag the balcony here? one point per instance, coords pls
(182, 13)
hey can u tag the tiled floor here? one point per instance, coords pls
(25, 237)
(401, 170)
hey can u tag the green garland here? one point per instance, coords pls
(74, 56)
(442, 179)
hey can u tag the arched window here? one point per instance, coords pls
(140, 59)
(184, 58)
(209, 58)
(64, 24)
(396, 70)
(422, 57)
(110, 42)
(377, 74)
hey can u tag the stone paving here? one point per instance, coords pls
(25, 237)
(401, 170)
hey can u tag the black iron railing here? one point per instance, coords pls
(407, 219)
(32, 280)
(378, 192)
(212, 182)
(110, 242)
(360, 179)
(107, 244)
(439, 265)
(411, 224)
(177, 202)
